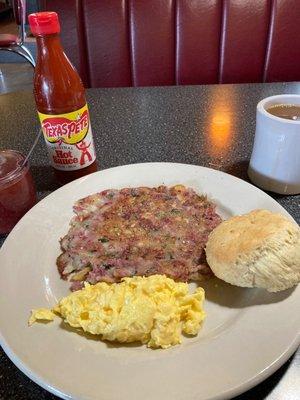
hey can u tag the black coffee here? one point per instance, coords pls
(286, 111)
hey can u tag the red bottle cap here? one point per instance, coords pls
(44, 23)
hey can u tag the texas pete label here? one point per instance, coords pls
(69, 139)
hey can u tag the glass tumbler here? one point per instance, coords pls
(17, 190)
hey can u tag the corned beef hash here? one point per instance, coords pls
(138, 231)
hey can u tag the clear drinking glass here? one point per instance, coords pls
(17, 190)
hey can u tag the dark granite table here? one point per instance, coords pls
(204, 125)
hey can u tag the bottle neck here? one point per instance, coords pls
(46, 43)
(57, 86)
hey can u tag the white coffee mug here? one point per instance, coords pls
(275, 159)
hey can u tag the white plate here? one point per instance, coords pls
(247, 335)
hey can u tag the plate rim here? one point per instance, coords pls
(226, 395)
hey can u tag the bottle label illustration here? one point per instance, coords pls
(69, 139)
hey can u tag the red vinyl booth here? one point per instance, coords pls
(117, 43)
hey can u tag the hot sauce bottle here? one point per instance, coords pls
(61, 104)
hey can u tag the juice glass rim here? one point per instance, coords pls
(18, 171)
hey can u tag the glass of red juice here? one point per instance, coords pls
(17, 190)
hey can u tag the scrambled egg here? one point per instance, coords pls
(41, 314)
(153, 310)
